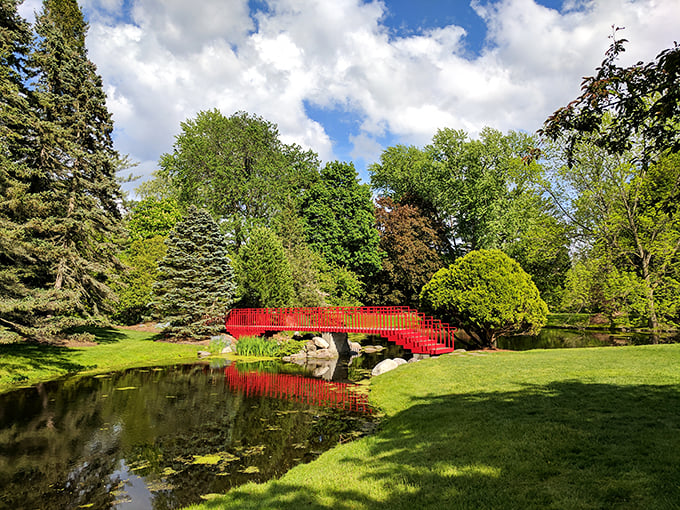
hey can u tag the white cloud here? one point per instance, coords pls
(174, 58)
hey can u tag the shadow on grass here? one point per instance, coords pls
(20, 358)
(565, 445)
(101, 335)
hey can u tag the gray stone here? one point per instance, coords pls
(400, 361)
(384, 366)
(355, 347)
(320, 342)
(321, 370)
(322, 353)
(310, 346)
(203, 354)
(226, 350)
(460, 350)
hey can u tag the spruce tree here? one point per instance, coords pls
(61, 179)
(15, 122)
(195, 278)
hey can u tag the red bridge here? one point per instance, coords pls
(399, 324)
(300, 389)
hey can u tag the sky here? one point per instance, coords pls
(349, 78)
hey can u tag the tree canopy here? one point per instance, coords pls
(487, 294)
(625, 108)
(237, 168)
(339, 219)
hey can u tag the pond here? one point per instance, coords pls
(163, 437)
(558, 338)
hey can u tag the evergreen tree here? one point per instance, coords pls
(15, 112)
(59, 177)
(195, 278)
(264, 273)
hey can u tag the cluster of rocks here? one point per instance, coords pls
(320, 348)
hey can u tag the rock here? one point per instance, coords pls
(310, 346)
(203, 354)
(226, 350)
(322, 353)
(355, 347)
(460, 350)
(400, 361)
(319, 371)
(384, 366)
(162, 325)
(320, 342)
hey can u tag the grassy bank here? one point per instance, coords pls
(577, 428)
(23, 364)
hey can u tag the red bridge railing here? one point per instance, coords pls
(300, 389)
(399, 324)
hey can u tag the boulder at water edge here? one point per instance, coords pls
(320, 342)
(384, 366)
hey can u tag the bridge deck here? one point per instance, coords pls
(401, 325)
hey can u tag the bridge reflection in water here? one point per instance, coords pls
(311, 391)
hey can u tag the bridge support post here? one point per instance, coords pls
(337, 342)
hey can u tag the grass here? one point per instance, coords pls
(23, 364)
(563, 429)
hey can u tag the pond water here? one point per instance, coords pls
(557, 338)
(161, 438)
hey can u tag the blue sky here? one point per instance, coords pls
(348, 78)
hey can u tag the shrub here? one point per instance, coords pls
(488, 294)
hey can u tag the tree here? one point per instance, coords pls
(153, 217)
(620, 142)
(264, 274)
(624, 108)
(412, 254)
(135, 288)
(339, 220)
(196, 281)
(488, 294)
(237, 168)
(64, 186)
(628, 217)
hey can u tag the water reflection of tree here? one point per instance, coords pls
(64, 443)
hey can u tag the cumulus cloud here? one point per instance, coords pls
(164, 60)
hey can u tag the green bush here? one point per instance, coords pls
(488, 294)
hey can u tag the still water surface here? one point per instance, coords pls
(557, 338)
(161, 438)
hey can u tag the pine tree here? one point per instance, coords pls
(62, 181)
(195, 279)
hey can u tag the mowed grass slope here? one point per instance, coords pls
(23, 364)
(565, 429)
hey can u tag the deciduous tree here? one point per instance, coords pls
(237, 168)
(412, 254)
(339, 220)
(264, 274)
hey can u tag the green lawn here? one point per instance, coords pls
(23, 364)
(570, 429)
